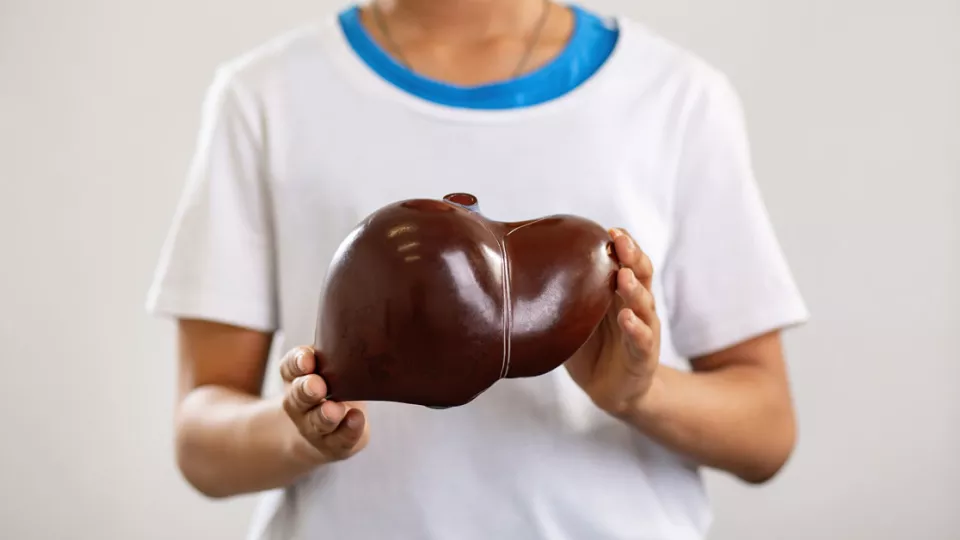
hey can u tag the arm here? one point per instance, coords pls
(733, 412)
(229, 440)
(727, 295)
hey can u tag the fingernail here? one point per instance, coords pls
(301, 361)
(630, 283)
(307, 390)
(332, 416)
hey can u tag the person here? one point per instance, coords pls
(536, 108)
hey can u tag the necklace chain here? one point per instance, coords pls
(535, 38)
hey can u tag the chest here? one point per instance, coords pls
(607, 169)
(332, 170)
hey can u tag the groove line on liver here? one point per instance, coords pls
(505, 288)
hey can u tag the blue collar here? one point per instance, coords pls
(591, 43)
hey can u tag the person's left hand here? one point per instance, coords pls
(616, 366)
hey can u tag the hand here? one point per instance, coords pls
(616, 366)
(334, 430)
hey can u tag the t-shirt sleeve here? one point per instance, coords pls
(725, 276)
(217, 262)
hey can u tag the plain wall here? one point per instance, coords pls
(854, 112)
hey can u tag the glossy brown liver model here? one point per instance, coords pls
(427, 302)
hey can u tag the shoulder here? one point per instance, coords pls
(276, 62)
(656, 63)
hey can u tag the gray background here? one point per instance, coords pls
(854, 111)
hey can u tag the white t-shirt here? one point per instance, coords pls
(300, 141)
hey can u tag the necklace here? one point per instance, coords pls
(535, 38)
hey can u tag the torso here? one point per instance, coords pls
(529, 458)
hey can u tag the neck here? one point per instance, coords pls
(463, 19)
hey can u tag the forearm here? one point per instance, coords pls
(736, 419)
(231, 443)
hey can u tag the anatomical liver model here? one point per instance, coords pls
(427, 302)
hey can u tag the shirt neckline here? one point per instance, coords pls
(582, 54)
(364, 78)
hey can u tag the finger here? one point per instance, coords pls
(297, 362)
(632, 257)
(323, 420)
(639, 340)
(635, 296)
(304, 394)
(341, 442)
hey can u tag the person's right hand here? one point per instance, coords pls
(336, 430)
